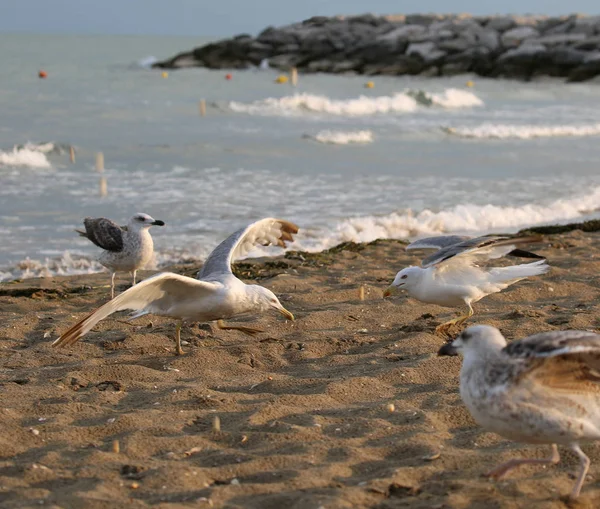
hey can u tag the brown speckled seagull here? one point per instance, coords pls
(216, 295)
(126, 248)
(544, 389)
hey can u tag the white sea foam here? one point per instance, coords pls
(523, 132)
(24, 156)
(402, 102)
(465, 218)
(342, 137)
(64, 265)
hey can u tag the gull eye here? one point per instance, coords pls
(404, 277)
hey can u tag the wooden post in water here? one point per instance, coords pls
(202, 107)
(72, 154)
(294, 76)
(100, 162)
(103, 187)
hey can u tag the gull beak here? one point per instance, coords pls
(158, 222)
(448, 349)
(389, 291)
(286, 313)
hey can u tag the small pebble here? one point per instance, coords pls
(34, 431)
(391, 407)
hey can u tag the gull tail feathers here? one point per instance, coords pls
(514, 273)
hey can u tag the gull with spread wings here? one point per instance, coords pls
(215, 295)
(543, 389)
(452, 277)
(125, 248)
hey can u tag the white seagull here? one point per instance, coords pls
(216, 295)
(544, 389)
(126, 248)
(452, 277)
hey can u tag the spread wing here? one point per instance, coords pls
(437, 243)
(165, 294)
(477, 249)
(265, 232)
(444, 241)
(562, 360)
(104, 233)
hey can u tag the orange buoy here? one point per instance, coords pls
(42, 74)
(228, 76)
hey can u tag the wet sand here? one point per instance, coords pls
(305, 409)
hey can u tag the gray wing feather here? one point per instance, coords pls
(472, 245)
(265, 232)
(104, 233)
(554, 343)
(439, 242)
(219, 260)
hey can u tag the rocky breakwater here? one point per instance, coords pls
(521, 47)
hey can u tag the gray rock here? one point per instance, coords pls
(426, 50)
(514, 37)
(488, 38)
(589, 44)
(556, 39)
(524, 52)
(345, 66)
(585, 72)
(560, 28)
(454, 68)
(501, 24)
(587, 26)
(455, 45)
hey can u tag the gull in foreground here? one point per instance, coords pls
(452, 277)
(216, 295)
(126, 248)
(544, 389)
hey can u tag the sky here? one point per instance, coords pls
(229, 17)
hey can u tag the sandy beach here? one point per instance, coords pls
(348, 406)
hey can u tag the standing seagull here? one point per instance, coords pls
(544, 389)
(126, 248)
(216, 295)
(452, 277)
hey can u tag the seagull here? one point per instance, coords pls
(215, 295)
(543, 389)
(452, 277)
(126, 248)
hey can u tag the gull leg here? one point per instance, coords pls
(467, 316)
(178, 349)
(501, 470)
(445, 327)
(246, 330)
(133, 273)
(112, 285)
(585, 465)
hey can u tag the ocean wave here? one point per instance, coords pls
(342, 137)
(64, 265)
(522, 132)
(459, 219)
(24, 157)
(465, 218)
(402, 102)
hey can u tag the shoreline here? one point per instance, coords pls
(516, 47)
(247, 268)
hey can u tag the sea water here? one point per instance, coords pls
(407, 158)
